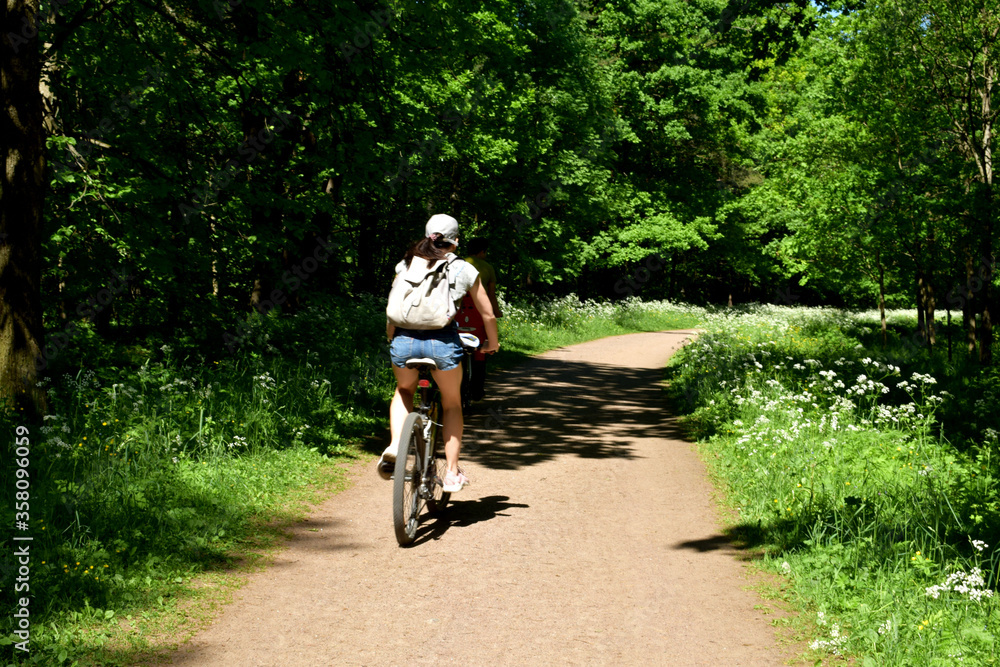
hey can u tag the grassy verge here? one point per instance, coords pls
(162, 464)
(165, 469)
(867, 476)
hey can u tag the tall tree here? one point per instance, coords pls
(951, 48)
(22, 144)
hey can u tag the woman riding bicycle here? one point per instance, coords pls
(442, 345)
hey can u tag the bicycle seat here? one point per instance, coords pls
(417, 362)
(468, 340)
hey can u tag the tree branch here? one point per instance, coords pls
(78, 20)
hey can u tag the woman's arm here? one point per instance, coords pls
(482, 301)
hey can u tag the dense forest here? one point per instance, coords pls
(203, 202)
(174, 166)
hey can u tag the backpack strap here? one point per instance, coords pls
(447, 271)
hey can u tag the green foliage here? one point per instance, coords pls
(747, 144)
(845, 470)
(577, 138)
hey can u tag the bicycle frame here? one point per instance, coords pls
(429, 409)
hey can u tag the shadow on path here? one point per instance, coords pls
(551, 407)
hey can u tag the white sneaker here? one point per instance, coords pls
(454, 483)
(386, 463)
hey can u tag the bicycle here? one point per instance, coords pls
(420, 460)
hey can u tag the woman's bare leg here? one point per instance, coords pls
(402, 401)
(450, 385)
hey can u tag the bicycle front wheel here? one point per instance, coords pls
(406, 502)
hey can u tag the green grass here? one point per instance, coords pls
(865, 476)
(165, 469)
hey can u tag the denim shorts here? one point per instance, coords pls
(442, 345)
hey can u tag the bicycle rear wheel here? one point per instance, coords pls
(406, 502)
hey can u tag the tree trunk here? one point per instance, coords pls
(985, 272)
(921, 312)
(931, 312)
(925, 308)
(881, 296)
(22, 146)
(986, 252)
(949, 334)
(213, 250)
(259, 291)
(968, 310)
(986, 336)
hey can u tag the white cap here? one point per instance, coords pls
(445, 225)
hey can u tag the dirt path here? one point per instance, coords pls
(587, 537)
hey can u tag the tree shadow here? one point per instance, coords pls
(550, 407)
(741, 542)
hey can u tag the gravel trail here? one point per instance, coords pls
(587, 537)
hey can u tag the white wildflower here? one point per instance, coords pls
(971, 584)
